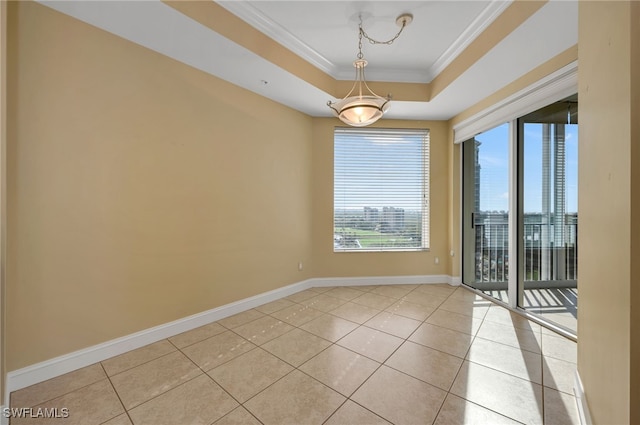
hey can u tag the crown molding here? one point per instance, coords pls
(254, 17)
(479, 24)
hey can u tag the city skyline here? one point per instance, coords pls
(363, 180)
(494, 169)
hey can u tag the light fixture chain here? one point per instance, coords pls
(373, 41)
(360, 55)
(361, 106)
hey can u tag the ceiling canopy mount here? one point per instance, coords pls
(361, 106)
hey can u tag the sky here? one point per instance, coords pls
(360, 179)
(494, 163)
(400, 157)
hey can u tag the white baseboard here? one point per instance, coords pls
(581, 401)
(48, 369)
(379, 280)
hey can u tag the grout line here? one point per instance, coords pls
(199, 341)
(381, 364)
(503, 372)
(242, 324)
(117, 395)
(238, 407)
(58, 396)
(336, 411)
(139, 364)
(265, 388)
(459, 369)
(162, 393)
(486, 408)
(367, 409)
(542, 380)
(218, 384)
(507, 345)
(317, 354)
(303, 306)
(348, 398)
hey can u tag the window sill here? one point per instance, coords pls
(339, 251)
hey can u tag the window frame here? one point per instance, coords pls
(424, 181)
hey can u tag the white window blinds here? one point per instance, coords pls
(381, 189)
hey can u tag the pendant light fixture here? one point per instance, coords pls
(361, 106)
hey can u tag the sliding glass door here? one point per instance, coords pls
(486, 212)
(548, 140)
(520, 189)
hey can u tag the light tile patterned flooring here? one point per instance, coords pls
(401, 354)
(556, 305)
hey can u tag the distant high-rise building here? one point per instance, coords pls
(477, 176)
(392, 218)
(371, 214)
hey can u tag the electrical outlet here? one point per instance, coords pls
(300, 266)
(437, 260)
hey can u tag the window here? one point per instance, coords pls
(381, 190)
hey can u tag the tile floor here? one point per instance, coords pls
(400, 354)
(557, 305)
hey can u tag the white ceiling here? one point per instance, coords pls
(325, 34)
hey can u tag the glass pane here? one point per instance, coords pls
(381, 189)
(550, 212)
(486, 164)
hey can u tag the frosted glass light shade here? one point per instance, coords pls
(363, 109)
(360, 111)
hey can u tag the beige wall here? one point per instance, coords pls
(139, 193)
(635, 212)
(455, 204)
(3, 144)
(455, 151)
(140, 190)
(134, 182)
(609, 197)
(349, 264)
(555, 63)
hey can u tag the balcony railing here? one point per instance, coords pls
(544, 265)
